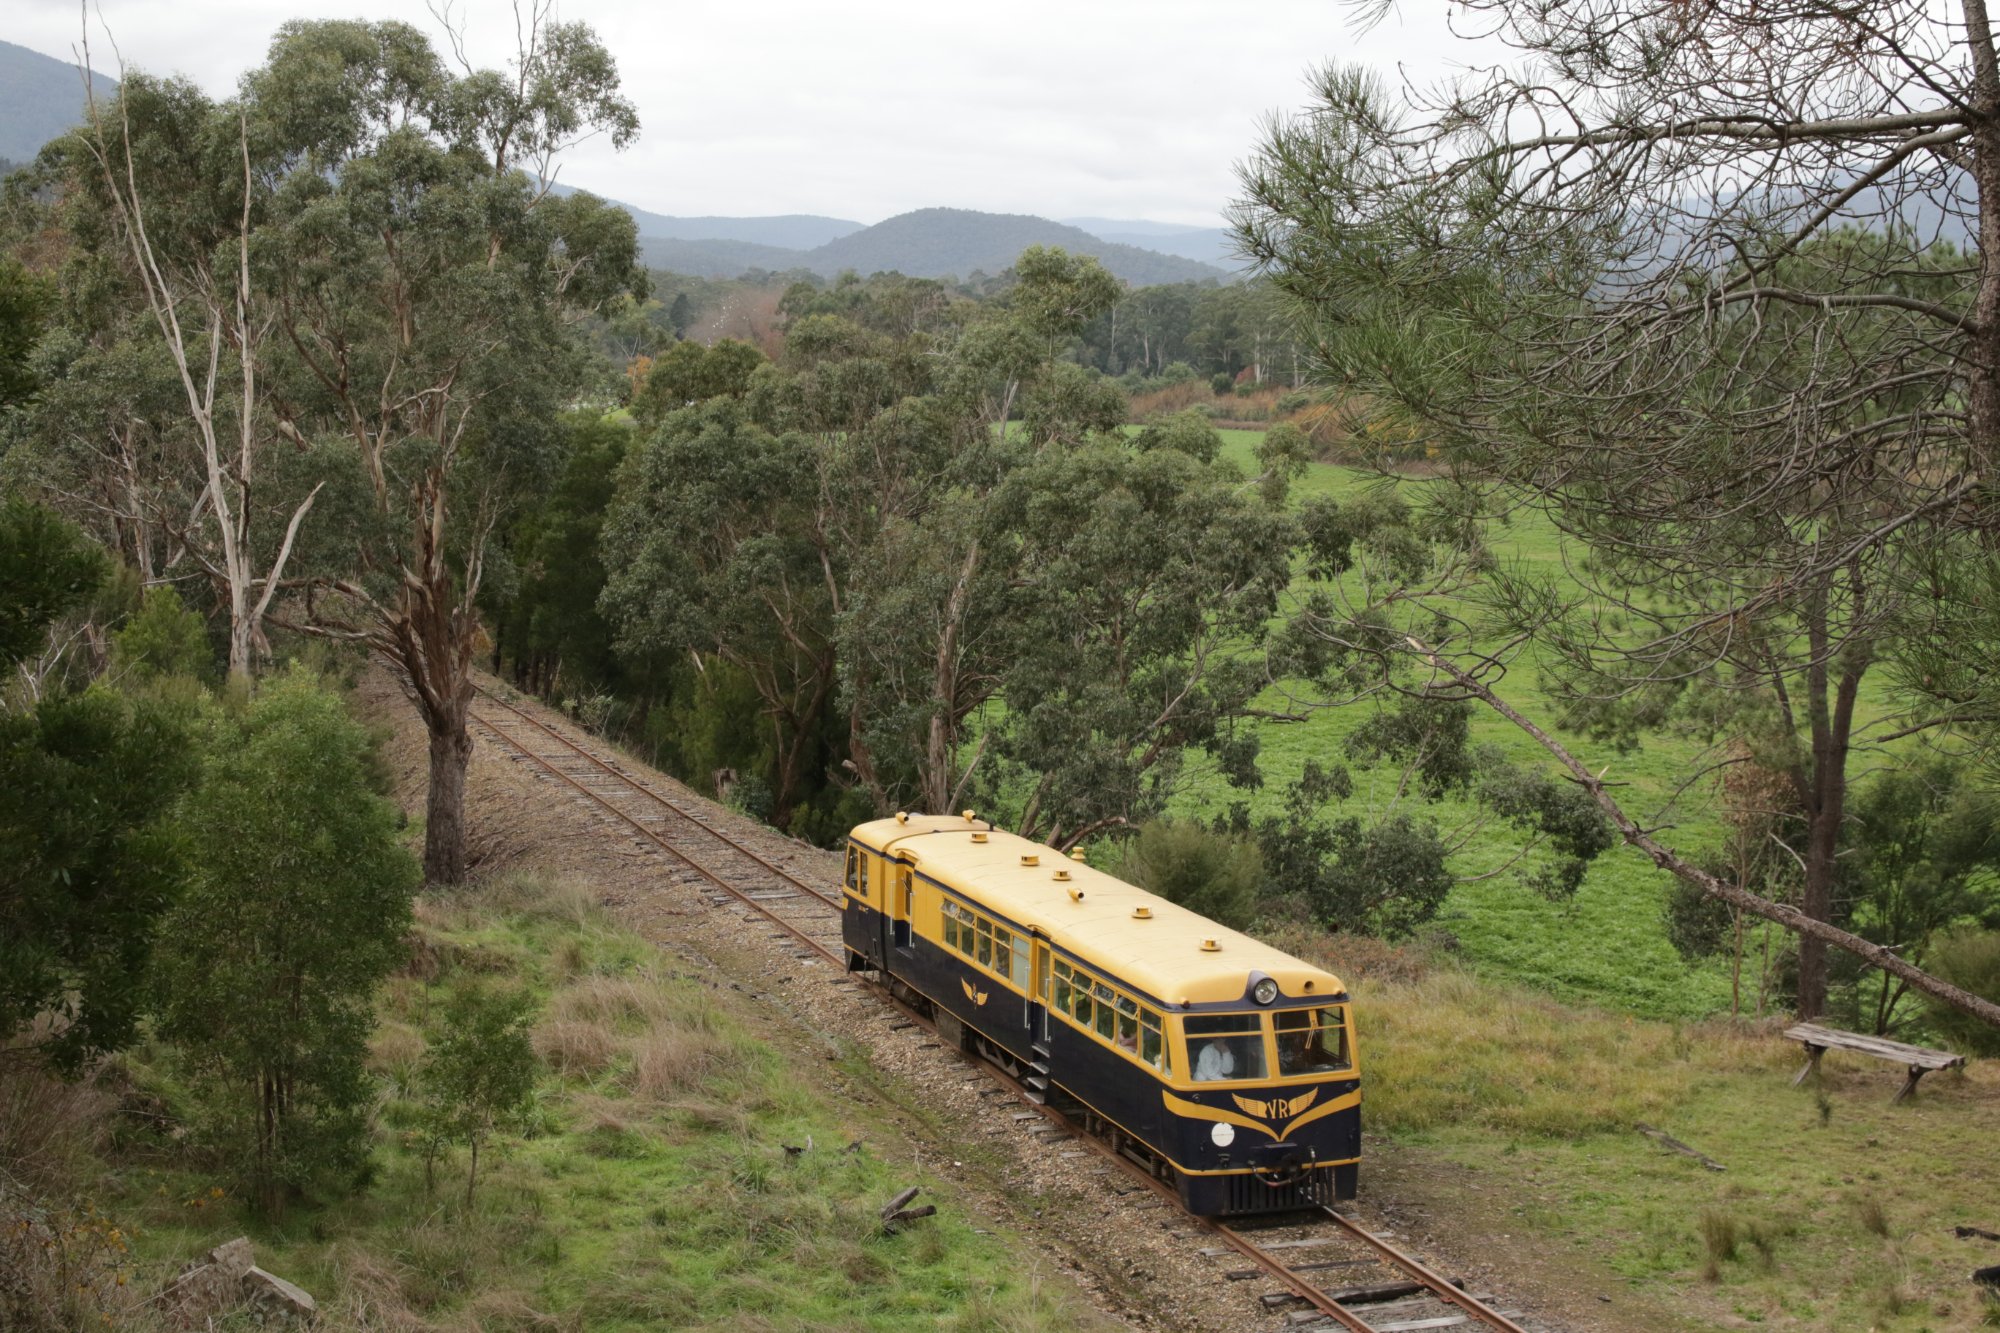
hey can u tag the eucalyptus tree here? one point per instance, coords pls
(1149, 572)
(161, 425)
(715, 547)
(422, 284)
(24, 302)
(1683, 279)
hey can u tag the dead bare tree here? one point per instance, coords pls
(201, 310)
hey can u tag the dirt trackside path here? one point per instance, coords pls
(1127, 1254)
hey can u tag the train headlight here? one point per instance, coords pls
(1222, 1135)
(1264, 991)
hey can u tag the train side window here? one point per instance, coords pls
(1152, 1049)
(1106, 1018)
(1128, 1025)
(985, 953)
(853, 868)
(1003, 952)
(1062, 987)
(1225, 1047)
(1019, 972)
(1311, 1041)
(863, 858)
(949, 911)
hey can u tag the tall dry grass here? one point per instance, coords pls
(1158, 404)
(49, 1126)
(1440, 1047)
(672, 1060)
(667, 1040)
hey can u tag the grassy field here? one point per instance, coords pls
(1513, 1115)
(1604, 946)
(653, 1190)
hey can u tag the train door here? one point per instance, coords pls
(902, 902)
(1038, 994)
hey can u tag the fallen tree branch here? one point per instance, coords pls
(1666, 1140)
(1669, 860)
(896, 1211)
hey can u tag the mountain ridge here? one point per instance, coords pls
(923, 243)
(40, 98)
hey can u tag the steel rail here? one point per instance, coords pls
(654, 796)
(679, 855)
(1438, 1286)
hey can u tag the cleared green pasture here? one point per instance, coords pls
(1606, 945)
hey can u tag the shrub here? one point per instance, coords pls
(60, 1265)
(164, 639)
(298, 907)
(1222, 383)
(1215, 874)
(479, 1074)
(1969, 960)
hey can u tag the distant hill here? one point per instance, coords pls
(954, 242)
(929, 243)
(790, 231)
(1132, 226)
(1209, 245)
(710, 258)
(40, 97)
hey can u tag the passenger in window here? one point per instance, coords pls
(1215, 1063)
(1228, 1057)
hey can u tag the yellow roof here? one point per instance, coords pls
(1162, 956)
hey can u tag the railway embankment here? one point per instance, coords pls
(1504, 1145)
(538, 800)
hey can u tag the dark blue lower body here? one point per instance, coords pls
(1276, 1166)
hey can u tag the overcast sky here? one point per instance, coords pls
(1105, 108)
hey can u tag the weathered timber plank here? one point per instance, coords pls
(1902, 1053)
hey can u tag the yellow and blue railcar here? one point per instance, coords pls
(1226, 1065)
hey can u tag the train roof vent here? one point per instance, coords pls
(1142, 914)
(1030, 859)
(969, 816)
(979, 837)
(1062, 876)
(1210, 946)
(1076, 854)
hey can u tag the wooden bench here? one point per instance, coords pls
(1919, 1060)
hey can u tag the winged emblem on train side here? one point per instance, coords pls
(976, 996)
(1284, 1114)
(1278, 1108)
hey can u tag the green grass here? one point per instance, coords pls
(1607, 944)
(654, 1190)
(1514, 1114)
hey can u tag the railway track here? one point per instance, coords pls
(1331, 1272)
